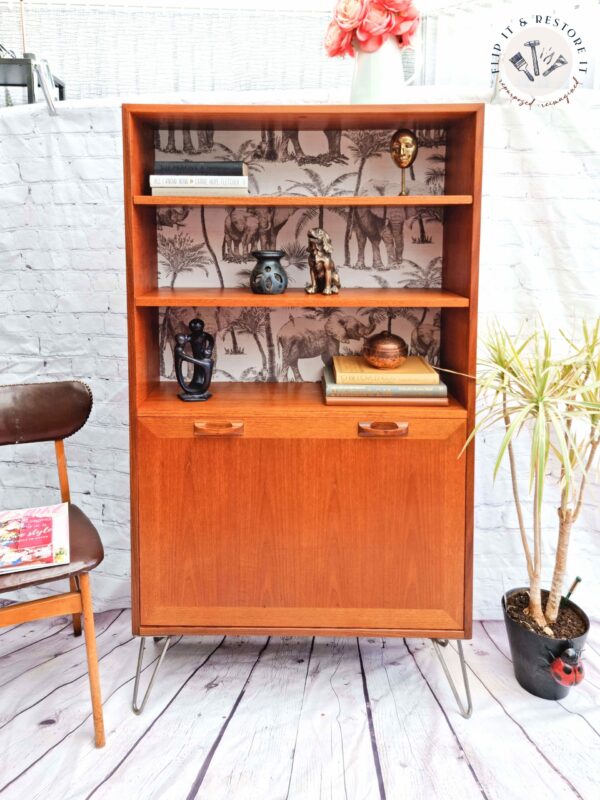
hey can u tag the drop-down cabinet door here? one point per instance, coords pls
(301, 524)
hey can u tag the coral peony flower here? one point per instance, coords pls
(403, 7)
(406, 29)
(377, 23)
(350, 13)
(337, 41)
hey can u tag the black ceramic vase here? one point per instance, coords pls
(533, 653)
(269, 275)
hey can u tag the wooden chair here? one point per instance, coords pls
(44, 412)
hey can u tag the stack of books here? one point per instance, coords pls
(351, 381)
(204, 178)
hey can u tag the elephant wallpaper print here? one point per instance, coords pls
(293, 344)
(210, 246)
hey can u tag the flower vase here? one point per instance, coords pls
(379, 76)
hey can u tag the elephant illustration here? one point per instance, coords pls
(312, 336)
(369, 225)
(425, 341)
(271, 221)
(290, 137)
(240, 234)
(171, 217)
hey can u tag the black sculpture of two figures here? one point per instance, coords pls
(202, 345)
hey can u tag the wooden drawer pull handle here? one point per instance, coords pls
(385, 429)
(215, 427)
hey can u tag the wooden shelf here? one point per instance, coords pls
(256, 200)
(297, 298)
(273, 400)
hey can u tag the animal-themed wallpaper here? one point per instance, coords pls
(211, 246)
(293, 344)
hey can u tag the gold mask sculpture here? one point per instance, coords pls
(404, 149)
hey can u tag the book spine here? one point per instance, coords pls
(386, 401)
(200, 168)
(203, 181)
(355, 378)
(387, 390)
(198, 191)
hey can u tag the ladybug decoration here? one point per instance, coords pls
(567, 668)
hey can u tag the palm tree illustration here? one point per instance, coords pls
(315, 186)
(225, 319)
(256, 322)
(379, 315)
(435, 175)
(296, 255)
(179, 254)
(364, 145)
(428, 277)
(245, 153)
(420, 216)
(209, 247)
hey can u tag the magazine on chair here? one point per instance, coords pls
(31, 538)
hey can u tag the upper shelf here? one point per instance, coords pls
(298, 298)
(256, 200)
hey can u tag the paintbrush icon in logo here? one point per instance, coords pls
(521, 65)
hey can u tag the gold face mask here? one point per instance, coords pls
(404, 148)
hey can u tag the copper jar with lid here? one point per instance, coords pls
(385, 350)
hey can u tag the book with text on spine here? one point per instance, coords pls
(199, 191)
(208, 181)
(333, 389)
(354, 369)
(31, 538)
(200, 168)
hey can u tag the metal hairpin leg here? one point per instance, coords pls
(134, 703)
(437, 644)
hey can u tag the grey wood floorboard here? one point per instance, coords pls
(286, 718)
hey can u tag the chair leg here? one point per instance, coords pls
(76, 617)
(92, 657)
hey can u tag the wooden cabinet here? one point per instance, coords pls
(266, 510)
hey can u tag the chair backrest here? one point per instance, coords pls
(43, 412)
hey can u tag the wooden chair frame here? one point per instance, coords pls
(77, 602)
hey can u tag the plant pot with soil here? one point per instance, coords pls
(555, 404)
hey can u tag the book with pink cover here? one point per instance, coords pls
(31, 538)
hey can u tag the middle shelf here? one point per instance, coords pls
(298, 298)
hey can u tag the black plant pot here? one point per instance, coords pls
(532, 653)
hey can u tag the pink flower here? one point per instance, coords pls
(350, 13)
(337, 41)
(397, 6)
(377, 22)
(406, 29)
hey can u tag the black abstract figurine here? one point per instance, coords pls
(202, 345)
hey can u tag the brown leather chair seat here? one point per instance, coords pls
(86, 553)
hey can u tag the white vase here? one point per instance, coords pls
(379, 76)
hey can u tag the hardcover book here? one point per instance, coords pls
(386, 401)
(199, 180)
(31, 538)
(333, 389)
(200, 168)
(200, 191)
(355, 370)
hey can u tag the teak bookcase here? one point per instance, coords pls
(292, 522)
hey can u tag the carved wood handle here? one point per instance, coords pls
(383, 429)
(210, 427)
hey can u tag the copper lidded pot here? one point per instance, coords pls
(385, 350)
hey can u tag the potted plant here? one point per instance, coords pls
(554, 403)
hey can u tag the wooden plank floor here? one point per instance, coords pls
(285, 718)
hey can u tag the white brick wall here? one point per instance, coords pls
(62, 302)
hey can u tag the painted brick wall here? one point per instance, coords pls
(62, 302)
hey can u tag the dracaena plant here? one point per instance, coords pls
(555, 402)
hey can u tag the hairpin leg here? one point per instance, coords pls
(437, 643)
(134, 704)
